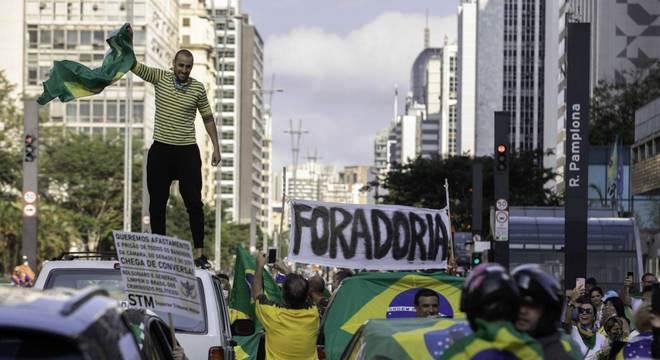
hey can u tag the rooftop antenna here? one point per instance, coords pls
(396, 101)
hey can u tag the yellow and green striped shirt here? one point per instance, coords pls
(175, 108)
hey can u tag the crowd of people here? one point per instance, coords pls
(526, 306)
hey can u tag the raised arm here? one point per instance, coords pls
(147, 73)
(258, 279)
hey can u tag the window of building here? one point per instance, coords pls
(98, 39)
(33, 38)
(32, 75)
(228, 121)
(45, 38)
(97, 131)
(58, 36)
(227, 176)
(111, 111)
(85, 37)
(71, 112)
(122, 111)
(227, 135)
(185, 39)
(71, 39)
(139, 38)
(85, 58)
(97, 111)
(138, 111)
(186, 22)
(227, 162)
(228, 81)
(227, 189)
(43, 73)
(84, 111)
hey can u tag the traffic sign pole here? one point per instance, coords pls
(501, 181)
(31, 128)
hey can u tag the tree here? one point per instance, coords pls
(421, 184)
(84, 175)
(613, 105)
(178, 225)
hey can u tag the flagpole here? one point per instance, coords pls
(450, 256)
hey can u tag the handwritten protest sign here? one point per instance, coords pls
(158, 273)
(368, 237)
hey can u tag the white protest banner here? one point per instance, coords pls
(383, 237)
(158, 273)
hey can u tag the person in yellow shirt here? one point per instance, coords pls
(291, 329)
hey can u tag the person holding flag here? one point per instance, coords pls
(490, 300)
(290, 329)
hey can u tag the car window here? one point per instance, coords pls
(110, 280)
(36, 345)
(222, 308)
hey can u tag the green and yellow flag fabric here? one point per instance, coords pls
(495, 340)
(241, 305)
(407, 339)
(382, 295)
(69, 80)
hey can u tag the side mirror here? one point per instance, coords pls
(242, 327)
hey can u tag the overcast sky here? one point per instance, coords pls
(337, 62)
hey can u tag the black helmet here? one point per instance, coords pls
(489, 294)
(541, 289)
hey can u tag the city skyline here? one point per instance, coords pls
(331, 45)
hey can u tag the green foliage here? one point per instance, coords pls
(421, 184)
(83, 175)
(178, 225)
(613, 106)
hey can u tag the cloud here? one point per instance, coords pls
(376, 54)
(341, 85)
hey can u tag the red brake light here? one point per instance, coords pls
(216, 353)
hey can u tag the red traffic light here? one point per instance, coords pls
(501, 149)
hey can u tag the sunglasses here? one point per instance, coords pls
(584, 311)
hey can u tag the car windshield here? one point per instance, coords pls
(110, 280)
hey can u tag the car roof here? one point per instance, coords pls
(66, 312)
(95, 264)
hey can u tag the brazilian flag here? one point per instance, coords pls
(495, 340)
(69, 80)
(408, 339)
(383, 295)
(241, 305)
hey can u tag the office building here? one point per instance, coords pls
(624, 40)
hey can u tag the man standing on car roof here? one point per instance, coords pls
(174, 154)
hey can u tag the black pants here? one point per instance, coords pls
(165, 164)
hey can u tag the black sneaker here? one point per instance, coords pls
(202, 262)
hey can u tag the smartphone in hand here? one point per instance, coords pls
(580, 283)
(272, 255)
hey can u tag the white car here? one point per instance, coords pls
(208, 339)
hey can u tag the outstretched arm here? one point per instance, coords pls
(209, 124)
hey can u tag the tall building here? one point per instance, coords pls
(467, 76)
(251, 128)
(314, 181)
(76, 30)
(197, 34)
(624, 38)
(510, 71)
(245, 141)
(227, 94)
(428, 126)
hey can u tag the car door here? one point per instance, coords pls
(223, 315)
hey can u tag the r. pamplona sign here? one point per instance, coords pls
(384, 237)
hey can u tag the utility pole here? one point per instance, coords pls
(295, 135)
(128, 138)
(313, 160)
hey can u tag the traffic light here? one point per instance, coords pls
(501, 157)
(30, 148)
(476, 259)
